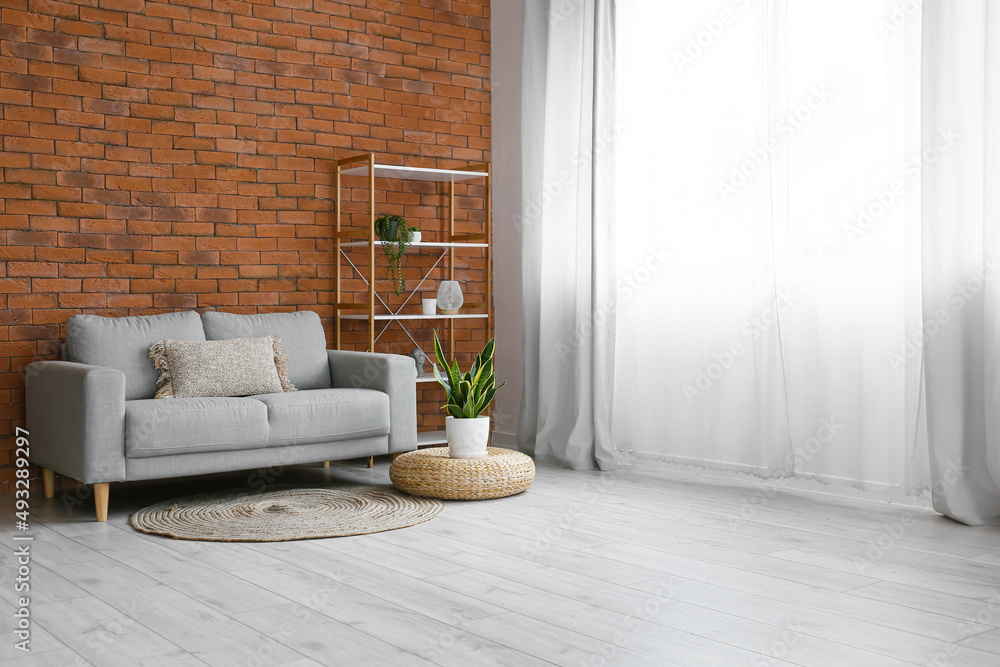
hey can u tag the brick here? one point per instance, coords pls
(81, 240)
(174, 272)
(15, 286)
(105, 285)
(198, 257)
(83, 300)
(44, 285)
(175, 301)
(82, 271)
(130, 300)
(28, 145)
(197, 286)
(130, 271)
(152, 286)
(32, 301)
(33, 269)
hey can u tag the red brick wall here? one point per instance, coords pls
(173, 155)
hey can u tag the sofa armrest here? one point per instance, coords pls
(76, 420)
(393, 374)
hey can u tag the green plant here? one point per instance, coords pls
(471, 393)
(394, 234)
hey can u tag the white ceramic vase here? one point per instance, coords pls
(415, 237)
(449, 297)
(467, 438)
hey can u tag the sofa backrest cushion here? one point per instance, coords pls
(302, 336)
(123, 343)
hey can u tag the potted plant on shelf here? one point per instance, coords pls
(395, 236)
(469, 395)
(415, 235)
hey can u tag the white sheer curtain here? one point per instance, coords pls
(567, 239)
(961, 256)
(771, 149)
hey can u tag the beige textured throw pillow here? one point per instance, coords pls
(232, 367)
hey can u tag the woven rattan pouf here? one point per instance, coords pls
(431, 473)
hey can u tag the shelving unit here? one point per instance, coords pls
(351, 242)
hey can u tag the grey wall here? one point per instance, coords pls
(505, 61)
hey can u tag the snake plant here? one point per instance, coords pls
(468, 394)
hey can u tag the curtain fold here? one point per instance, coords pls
(961, 256)
(567, 240)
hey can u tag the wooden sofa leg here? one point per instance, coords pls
(101, 500)
(371, 461)
(326, 464)
(49, 479)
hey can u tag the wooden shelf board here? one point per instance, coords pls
(415, 173)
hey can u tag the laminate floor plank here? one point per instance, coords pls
(402, 561)
(887, 571)
(792, 645)
(213, 637)
(46, 584)
(552, 520)
(41, 641)
(860, 633)
(61, 657)
(398, 589)
(640, 632)
(989, 558)
(985, 641)
(324, 640)
(749, 565)
(726, 498)
(217, 588)
(922, 599)
(108, 638)
(849, 540)
(583, 562)
(405, 629)
(613, 597)
(563, 647)
(688, 574)
(633, 567)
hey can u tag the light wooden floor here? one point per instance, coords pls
(636, 568)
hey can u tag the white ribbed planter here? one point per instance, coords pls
(467, 438)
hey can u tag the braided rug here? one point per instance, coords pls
(282, 513)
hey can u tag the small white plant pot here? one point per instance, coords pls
(467, 438)
(415, 237)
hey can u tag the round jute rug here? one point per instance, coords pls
(281, 514)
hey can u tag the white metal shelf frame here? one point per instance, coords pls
(402, 173)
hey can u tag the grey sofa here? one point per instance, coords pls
(93, 418)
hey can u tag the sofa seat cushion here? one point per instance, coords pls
(325, 415)
(157, 427)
